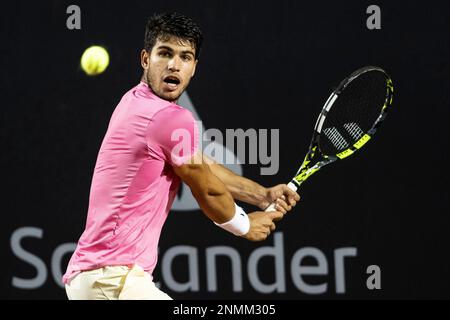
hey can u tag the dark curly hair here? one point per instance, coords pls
(165, 25)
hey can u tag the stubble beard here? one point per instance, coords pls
(149, 83)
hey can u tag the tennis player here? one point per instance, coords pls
(140, 166)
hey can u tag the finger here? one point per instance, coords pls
(292, 195)
(263, 234)
(276, 215)
(281, 204)
(272, 227)
(279, 207)
(292, 201)
(278, 192)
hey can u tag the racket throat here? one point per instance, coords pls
(305, 174)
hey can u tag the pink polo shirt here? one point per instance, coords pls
(134, 185)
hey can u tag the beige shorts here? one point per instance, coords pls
(114, 283)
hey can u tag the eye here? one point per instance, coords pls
(186, 57)
(164, 54)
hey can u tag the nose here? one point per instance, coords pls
(174, 64)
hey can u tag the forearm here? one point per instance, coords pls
(211, 194)
(215, 201)
(241, 188)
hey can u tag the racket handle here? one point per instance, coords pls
(291, 186)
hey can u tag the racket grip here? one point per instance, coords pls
(291, 186)
(270, 208)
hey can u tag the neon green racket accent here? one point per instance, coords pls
(358, 144)
(306, 174)
(344, 154)
(305, 171)
(390, 89)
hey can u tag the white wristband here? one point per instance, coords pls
(239, 224)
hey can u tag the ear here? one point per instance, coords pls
(145, 56)
(195, 66)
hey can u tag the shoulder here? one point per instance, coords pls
(173, 114)
(174, 133)
(170, 120)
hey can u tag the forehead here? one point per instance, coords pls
(175, 43)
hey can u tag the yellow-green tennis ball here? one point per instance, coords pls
(94, 60)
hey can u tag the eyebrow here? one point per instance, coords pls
(170, 49)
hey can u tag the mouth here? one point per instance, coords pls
(172, 82)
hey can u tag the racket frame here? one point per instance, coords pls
(315, 159)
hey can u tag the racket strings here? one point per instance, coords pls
(354, 130)
(354, 112)
(336, 138)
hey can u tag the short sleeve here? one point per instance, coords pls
(173, 135)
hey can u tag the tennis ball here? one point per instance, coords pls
(94, 60)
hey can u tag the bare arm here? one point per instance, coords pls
(209, 191)
(250, 192)
(217, 202)
(240, 188)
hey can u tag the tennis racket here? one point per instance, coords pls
(348, 120)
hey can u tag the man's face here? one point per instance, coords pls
(169, 67)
